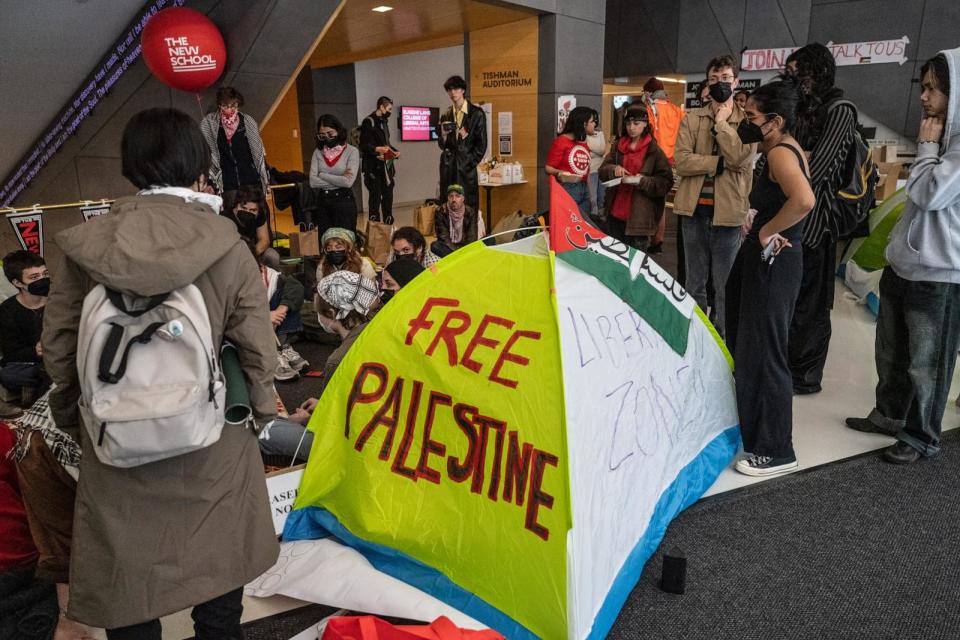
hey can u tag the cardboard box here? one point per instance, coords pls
(886, 153)
(887, 184)
(501, 174)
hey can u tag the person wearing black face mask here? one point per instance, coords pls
(333, 170)
(715, 169)
(377, 157)
(397, 275)
(21, 323)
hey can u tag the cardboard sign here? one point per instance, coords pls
(94, 210)
(282, 488)
(565, 104)
(29, 229)
(845, 54)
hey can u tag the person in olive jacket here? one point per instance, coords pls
(189, 530)
(635, 206)
(463, 141)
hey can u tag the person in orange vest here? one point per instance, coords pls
(665, 120)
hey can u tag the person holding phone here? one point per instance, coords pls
(765, 279)
(463, 142)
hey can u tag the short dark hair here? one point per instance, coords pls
(634, 112)
(16, 262)
(455, 82)
(243, 195)
(163, 147)
(720, 62)
(382, 100)
(941, 71)
(229, 94)
(411, 235)
(576, 123)
(781, 97)
(333, 122)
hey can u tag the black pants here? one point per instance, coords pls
(335, 208)
(618, 229)
(217, 619)
(759, 305)
(380, 191)
(810, 328)
(918, 332)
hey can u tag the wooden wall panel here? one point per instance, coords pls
(504, 72)
(281, 134)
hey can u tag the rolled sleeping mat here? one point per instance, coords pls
(238, 409)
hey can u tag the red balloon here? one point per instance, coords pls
(183, 49)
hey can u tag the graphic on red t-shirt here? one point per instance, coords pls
(569, 156)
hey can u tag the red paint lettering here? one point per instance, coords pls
(479, 340)
(518, 468)
(431, 446)
(399, 462)
(388, 416)
(460, 470)
(537, 495)
(507, 356)
(448, 332)
(357, 396)
(421, 322)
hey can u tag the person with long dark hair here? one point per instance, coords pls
(635, 207)
(763, 284)
(918, 328)
(826, 126)
(569, 157)
(333, 170)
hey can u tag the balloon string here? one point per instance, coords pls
(200, 105)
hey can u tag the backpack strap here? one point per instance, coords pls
(113, 345)
(116, 298)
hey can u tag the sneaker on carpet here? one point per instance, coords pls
(766, 465)
(294, 359)
(284, 371)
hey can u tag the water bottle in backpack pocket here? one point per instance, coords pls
(150, 378)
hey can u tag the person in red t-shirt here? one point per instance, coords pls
(569, 156)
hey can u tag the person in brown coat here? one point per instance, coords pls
(192, 529)
(635, 206)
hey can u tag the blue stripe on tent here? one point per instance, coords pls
(689, 485)
(311, 523)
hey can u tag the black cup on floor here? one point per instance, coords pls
(673, 578)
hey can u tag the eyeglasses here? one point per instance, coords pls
(723, 78)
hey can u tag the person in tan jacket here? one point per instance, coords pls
(190, 530)
(715, 170)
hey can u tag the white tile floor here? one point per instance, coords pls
(819, 434)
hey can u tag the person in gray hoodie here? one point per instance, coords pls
(918, 329)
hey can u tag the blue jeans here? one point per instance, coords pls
(918, 332)
(708, 252)
(580, 192)
(597, 192)
(17, 375)
(285, 438)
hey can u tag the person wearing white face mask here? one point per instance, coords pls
(237, 157)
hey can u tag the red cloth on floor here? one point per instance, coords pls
(16, 545)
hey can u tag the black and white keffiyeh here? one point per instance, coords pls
(38, 420)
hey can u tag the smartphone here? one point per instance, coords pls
(767, 254)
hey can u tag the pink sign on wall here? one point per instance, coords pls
(845, 54)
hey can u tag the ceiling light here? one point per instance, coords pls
(382, 9)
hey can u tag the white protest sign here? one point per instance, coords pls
(845, 54)
(94, 210)
(282, 489)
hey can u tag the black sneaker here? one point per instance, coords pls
(374, 217)
(867, 426)
(766, 465)
(901, 453)
(655, 248)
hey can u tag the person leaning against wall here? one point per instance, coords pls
(189, 530)
(715, 169)
(918, 328)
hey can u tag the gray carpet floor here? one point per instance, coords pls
(856, 549)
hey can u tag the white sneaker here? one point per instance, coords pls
(294, 359)
(284, 371)
(766, 465)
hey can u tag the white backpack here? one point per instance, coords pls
(150, 379)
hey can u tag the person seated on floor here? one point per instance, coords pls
(340, 253)
(409, 243)
(248, 210)
(344, 303)
(21, 322)
(285, 295)
(396, 275)
(456, 223)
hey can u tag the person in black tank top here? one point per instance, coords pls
(765, 280)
